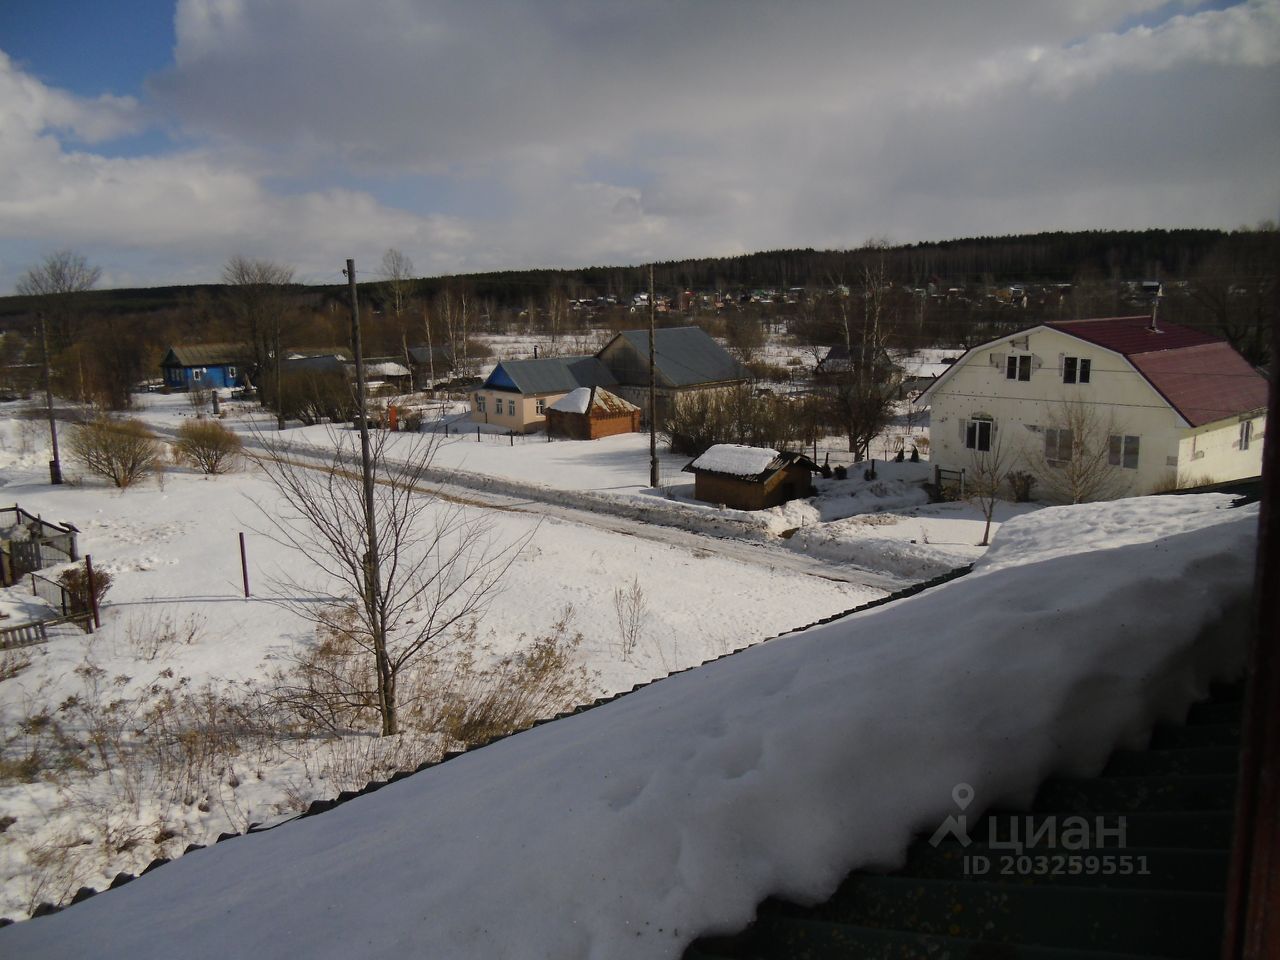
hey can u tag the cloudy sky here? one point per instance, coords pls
(158, 139)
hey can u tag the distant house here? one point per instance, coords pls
(517, 393)
(686, 361)
(386, 373)
(1169, 406)
(430, 365)
(839, 360)
(750, 478)
(589, 413)
(206, 366)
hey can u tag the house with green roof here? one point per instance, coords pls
(686, 361)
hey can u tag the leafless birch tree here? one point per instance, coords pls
(1074, 465)
(440, 564)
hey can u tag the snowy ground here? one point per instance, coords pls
(172, 550)
(628, 830)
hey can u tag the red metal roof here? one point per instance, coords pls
(1200, 375)
(1204, 383)
(1130, 335)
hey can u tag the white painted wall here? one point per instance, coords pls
(1119, 396)
(1213, 453)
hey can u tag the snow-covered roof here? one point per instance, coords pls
(678, 808)
(386, 368)
(593, 398)
(575, 401)
(735, 460)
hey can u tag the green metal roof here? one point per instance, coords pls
(684, 356)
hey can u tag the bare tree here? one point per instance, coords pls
(258, 296)
(56, 280)
(439, 564)
(985, 477)
(397, 279)
(1074, 465)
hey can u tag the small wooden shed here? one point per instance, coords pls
(750, 478)
(589, 413)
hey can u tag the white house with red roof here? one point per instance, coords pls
(1170, 405)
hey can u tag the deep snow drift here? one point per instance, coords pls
(628, 830)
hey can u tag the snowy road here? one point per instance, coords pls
(541, 501)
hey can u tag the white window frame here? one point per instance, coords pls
(540, 406)
(511, 408)
(1123, 448)
(197, 373)
(231, 373)
(1079, 369)
(973, 432)
(480, 403)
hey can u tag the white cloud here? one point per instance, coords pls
(512, 134)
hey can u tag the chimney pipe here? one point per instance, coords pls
(1155, 309)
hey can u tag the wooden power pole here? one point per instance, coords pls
(653, 391)
(55, 465)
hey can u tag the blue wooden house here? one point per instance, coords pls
(206, 366)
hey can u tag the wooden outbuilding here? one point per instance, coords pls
(589, 413)
(750, 478)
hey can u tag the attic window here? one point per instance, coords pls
(1018, 367)
(1076, 369)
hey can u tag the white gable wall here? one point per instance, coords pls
(978, 385)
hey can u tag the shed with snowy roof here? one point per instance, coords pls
(750, 478)
(589, 413)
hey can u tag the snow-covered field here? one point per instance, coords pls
(628, 830)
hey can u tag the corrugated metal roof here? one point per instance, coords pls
(685, 356)
(329, 364)
(1131, 335)
(1201, 376)
(555, 374)
(434, 354)
(1204, 383)
(206, 355)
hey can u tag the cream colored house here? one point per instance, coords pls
(1137, 407)
(516, 394)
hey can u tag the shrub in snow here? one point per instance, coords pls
(122, 451)
(76, 582)
(208, 446)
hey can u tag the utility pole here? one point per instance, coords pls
(653, 392)
(373, 578)
(55, 465)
